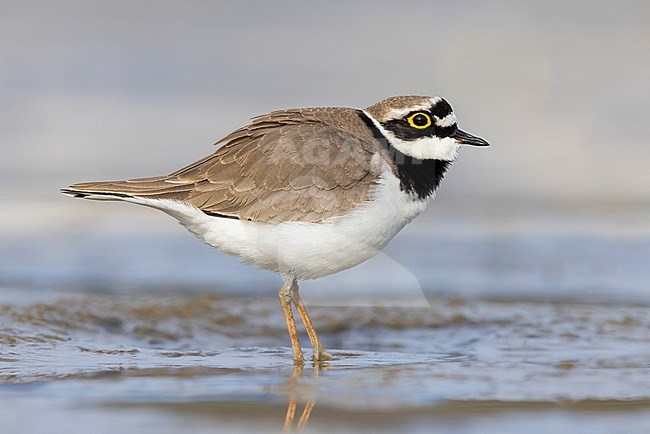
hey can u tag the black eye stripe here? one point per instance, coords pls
(402, 130)
(409, 128)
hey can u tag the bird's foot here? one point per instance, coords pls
(321, 354)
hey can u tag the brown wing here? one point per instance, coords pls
(291, 165)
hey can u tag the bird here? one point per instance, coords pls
(307, 192)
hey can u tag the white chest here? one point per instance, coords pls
(309, 250)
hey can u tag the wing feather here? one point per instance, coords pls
(291, 165)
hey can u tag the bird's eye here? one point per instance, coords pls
(419, 120)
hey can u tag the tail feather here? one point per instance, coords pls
(89, 194)
(154, 188)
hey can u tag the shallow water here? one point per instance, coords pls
(160, 362)
(478, 322)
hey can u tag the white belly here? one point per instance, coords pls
(310, 250)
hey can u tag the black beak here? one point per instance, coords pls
(467, 139)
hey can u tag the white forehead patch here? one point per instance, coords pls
(447, 121)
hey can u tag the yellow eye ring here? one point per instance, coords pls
(419, 120)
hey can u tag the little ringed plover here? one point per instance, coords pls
(308, 192)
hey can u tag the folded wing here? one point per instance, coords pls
(292, 165)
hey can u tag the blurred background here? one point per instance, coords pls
(533, 264)
(558, 206)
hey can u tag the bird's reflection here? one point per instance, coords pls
(294, 397)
